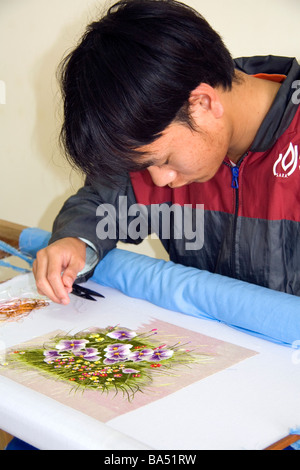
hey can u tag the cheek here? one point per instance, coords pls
(217, 146)
(200, 152)
(209, 158)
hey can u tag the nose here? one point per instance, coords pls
(162, 176)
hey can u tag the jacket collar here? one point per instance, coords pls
(283, 109)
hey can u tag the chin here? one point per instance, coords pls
(205, 178)
(202, 180)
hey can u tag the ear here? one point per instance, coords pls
(207, 99)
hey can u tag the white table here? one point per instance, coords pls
(249, 405)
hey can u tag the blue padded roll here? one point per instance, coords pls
(268, 314)
(262, 312)
(32, 240)
(17, 444)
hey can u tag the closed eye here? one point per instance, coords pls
(162, 162)
(158, 162)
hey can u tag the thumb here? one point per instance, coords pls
(68, 281)
(69, 275)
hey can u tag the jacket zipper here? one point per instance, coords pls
(235, 185)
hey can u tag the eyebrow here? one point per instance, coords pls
(151, 161)
(145, 164)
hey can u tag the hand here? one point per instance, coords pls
(56, 267)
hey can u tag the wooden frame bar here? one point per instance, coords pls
(10, 233)
(285, 442)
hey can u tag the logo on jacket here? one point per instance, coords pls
(286, 164)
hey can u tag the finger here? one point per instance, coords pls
(70, 273)
(52, 285)
(55, 280)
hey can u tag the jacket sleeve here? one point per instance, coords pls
(81, 214)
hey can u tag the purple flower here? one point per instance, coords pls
(111, 348)
(141, 355)
(110, 360)
(89, 354)
(130, 371)
(160, 354)
(122, 334)
(75, 345)
(51, 356)
(117, 353)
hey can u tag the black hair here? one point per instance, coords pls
(130, 76)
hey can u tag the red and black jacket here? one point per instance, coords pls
(251, 212)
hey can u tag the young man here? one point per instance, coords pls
(156, 111)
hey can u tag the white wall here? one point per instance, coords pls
(35, 34)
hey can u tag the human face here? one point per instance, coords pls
(182, 155)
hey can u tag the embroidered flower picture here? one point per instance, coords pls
(107, 360)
